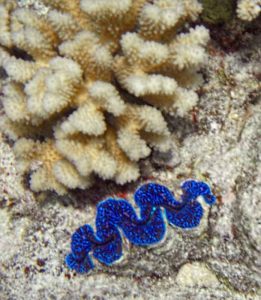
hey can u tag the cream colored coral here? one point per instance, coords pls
(86, 91)
(248, 10)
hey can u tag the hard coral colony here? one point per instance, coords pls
(149, 229)
(87, 84)
(248, 10)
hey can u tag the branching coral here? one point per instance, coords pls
(148, 229)
(88, 83)
(248, 10)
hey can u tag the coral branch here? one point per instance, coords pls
(248, 10)
(79, 67)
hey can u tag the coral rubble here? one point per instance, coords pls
(10, 181)
(88, 82)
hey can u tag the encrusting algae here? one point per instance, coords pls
(87, 84)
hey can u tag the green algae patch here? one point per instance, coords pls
(217, 12)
